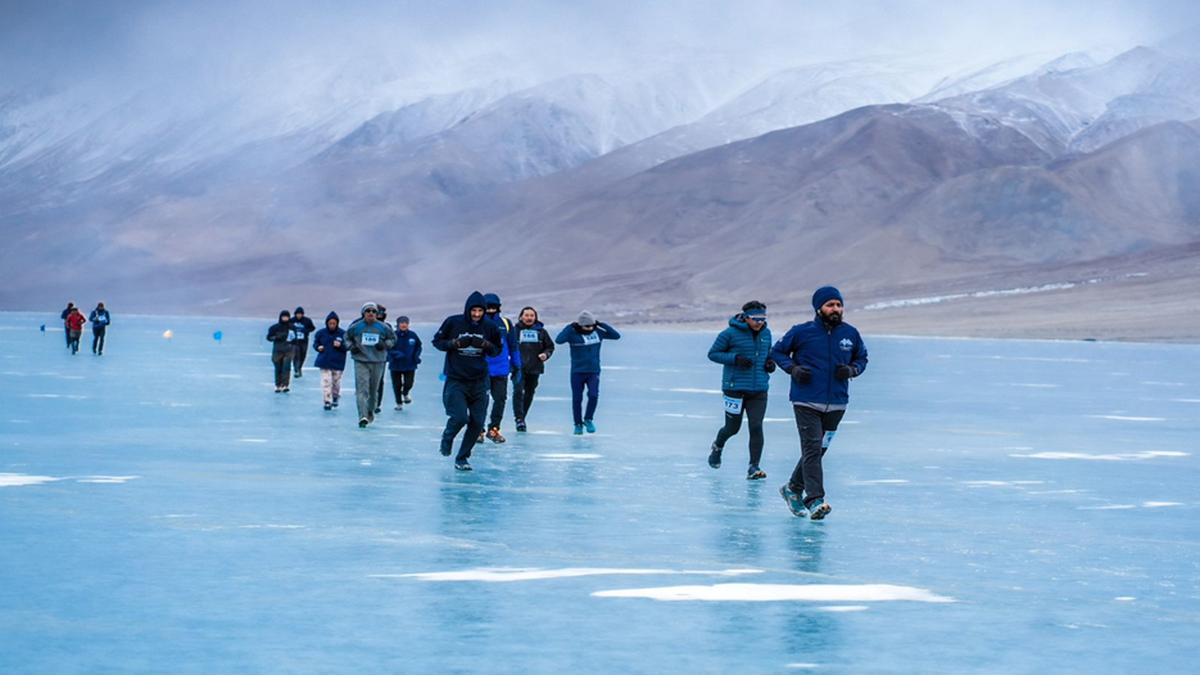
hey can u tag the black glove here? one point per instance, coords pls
(844, 372)
(743, 361)
(479, 343)
(769, 366)
(356, 350)
(380, 346)
(801, 374)
(462, 342)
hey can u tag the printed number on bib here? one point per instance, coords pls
(591, 339)
(370, 339)
(529, 336)
(733, 406)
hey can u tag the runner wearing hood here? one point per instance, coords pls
(744, 348)
(100, 319)
(403, 360)
(536, 348)
(467, 340)
(585, 337)
(302, 327)
(330, 345)
(382, 316)
(501, 366)
(369, 341)
(821, 356)
(279, 335)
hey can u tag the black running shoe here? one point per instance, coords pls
(714, 456)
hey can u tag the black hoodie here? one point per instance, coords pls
(279, 335)
(533, 340)
(467, 362)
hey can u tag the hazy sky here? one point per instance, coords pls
(135, 40)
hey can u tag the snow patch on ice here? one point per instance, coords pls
(545, 432)
(844, 608)
(107, 479)
(686, 416)
(1159, 505)
(881, 481)
(1003, 292)
(1001, 483)
(73, 397)
(270, 526)
(253, 440)
(1104, 457)
(1124, 598)
(780, 592)
(687, 390)
(18, 479)
(507, 574)
(1128, 418)
(568, 456)
(1034, 385)
(1109, 507)
(803, 666)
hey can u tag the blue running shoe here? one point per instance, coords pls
(578, 429)
(591, 428)
(755, 473)
(818, 509)
(794, 502)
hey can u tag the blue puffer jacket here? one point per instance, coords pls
(330, 357)
(821, 349)
(406, 354)
(585, 347)
(737, 340)
(509, 358)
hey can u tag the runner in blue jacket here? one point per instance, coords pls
(821, 356)
(501, 366)
(744, 348)
(403, 360)
(585, 336)
(330, 345)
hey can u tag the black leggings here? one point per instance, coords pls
(402, 383)
(754, 406)
(523, 394)
(808, 474)
(98, 341)
(283, 367)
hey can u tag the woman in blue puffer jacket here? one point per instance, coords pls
(744, 348)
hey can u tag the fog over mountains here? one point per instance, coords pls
(1049, 194)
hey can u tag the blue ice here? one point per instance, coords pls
(998, 506)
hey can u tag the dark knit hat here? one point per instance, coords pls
(402, 319)
(824, 294)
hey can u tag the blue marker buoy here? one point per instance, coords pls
(217, 335)
(43, 328)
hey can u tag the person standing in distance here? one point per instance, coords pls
(821, 356)
(369, 341)
(501, 366)
(66, 330)
(330, 345)
(280, 337)
(744, 348)
(403, 360)
(100, 319)
(536, 348)
(468, 339)
(585, 337)
(302, 327)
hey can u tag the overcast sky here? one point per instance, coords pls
(132, 41)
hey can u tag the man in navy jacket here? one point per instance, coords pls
(821, 356)
(468, 339)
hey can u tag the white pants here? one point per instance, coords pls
(331, 384)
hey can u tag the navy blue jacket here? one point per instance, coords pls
(739, 340)
(300, 330)
(468, 362)
(585, 347)
(329, 356)
(821, 349)
(100, 320)
(406, 355)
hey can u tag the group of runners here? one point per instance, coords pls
(485, 351)
(73, 321)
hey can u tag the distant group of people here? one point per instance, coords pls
(485, 351)
(73, 321)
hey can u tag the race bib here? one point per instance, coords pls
(528, 335)
(293, 335)
(733, 406)
(370, 339)
(591, 338)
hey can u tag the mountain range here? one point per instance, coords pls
(979, 199)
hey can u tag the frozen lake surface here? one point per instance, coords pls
(998, 506)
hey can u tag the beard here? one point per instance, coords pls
(833, 318)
